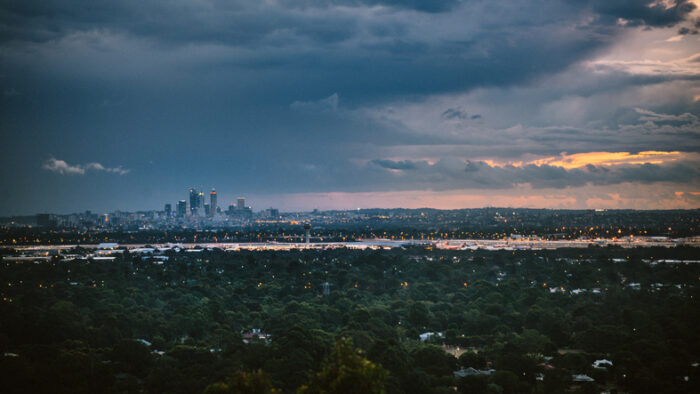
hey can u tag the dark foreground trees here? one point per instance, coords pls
(345, 371)
(528, 320)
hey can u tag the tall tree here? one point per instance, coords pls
(347, 371)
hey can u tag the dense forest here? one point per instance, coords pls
(410, 320)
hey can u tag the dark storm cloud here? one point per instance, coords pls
(237, 23)
(244, 21)
(642, 12)
(395, 165)
(417, 5)
(457, 114)
(448, 174)
(611, 129)
(685, 119)
(346, 49)
(454, 113)
(246, 93)
(684, 31)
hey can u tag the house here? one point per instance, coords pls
(429, 335)
(602, 364)
(466, 372)
(472, 372)
(255, 335)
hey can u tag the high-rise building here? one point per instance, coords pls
(212, 202)
(207, 209)
(182, 208)
(271, 213)
(200, 200)
(168, 209)
(194, 201)
(240, 203)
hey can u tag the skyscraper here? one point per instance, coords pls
(194, 201)
(212, 202)
(168, 209)
(240, 203)
(182, 208)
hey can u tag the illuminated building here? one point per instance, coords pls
(212, 202)
(194, 201)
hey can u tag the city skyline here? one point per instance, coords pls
(350, 104)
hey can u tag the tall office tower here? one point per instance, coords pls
(182, 208)
(194, 201)
(240, 204)
(212, 202)
(168, 209)
(200, 200)
(207, 209)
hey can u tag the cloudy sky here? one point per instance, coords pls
(302, 104)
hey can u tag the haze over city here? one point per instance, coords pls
(347, 104)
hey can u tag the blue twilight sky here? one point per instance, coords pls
(302, 104)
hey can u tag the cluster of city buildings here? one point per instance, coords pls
(197, 206)
(197, 211)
